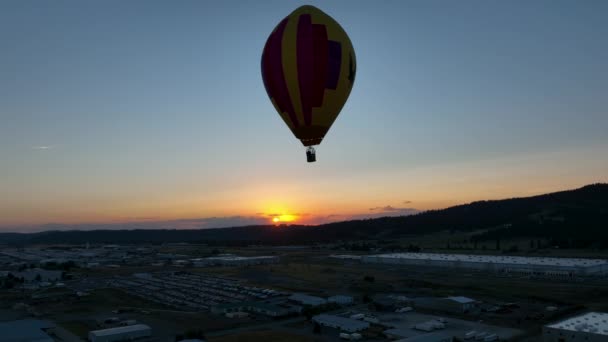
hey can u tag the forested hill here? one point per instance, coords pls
(576, 217)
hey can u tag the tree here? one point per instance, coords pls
(497, 244)
(366, 298)
(369, 278)
(413, 248)
(38, 277)
(194, 333)
(531, 244)
(317, 328)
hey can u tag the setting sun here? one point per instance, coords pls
(284, 218)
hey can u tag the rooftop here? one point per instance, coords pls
(462, 300)
(499, 259)
(30, 330)
(120, 330)
(300, 297)
(236, 258)
(591, 322)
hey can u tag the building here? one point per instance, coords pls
(342, 323)
(38, 275)
(341, 299)
(535, 266)
(31, 330)
(274, 310)
(464, 304)
(390, 302)
(130, 332)
(589, 327)
(457, 304)
(305, 299)
(233, 260)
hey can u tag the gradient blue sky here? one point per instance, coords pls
(122, 111)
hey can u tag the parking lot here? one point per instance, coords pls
(453, 326)
(192, 292)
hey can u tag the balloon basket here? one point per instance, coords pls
(311, 155)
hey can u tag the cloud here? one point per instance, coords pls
(43, 147)
(390, 208)
(386, 208)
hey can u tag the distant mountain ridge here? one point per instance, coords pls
(578, 217)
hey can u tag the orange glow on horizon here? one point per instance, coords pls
(284, 218)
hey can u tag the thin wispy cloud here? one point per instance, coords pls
(43, 147)
(388, 208)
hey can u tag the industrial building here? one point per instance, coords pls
(31, 330)
(341, 299)
(341, 323)
(305, 299)
(589, 327)
(38, 275)
(539, 266)
(126, 333)
(456, 304)
(234, 260)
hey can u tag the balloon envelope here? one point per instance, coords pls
(308, 68)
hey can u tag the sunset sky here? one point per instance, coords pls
(153, 113)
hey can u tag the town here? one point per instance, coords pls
(182, 291)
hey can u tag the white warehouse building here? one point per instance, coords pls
(127, 333)
(557, 267)
(589, 327)
(233, 260)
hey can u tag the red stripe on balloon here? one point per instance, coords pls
(304, 53)
(335, 62)
(273, 74)
(320, 61)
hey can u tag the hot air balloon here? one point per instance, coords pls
(308, 68)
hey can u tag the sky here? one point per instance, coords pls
(154, 114)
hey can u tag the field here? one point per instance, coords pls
(266, 335)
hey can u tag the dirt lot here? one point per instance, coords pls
(267, 335)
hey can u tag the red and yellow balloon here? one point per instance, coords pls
(308, 68)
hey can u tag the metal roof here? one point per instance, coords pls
(462, 300)
(25, 330)
(304, 298)
(591, 322)
(120, 330)
(498, 259)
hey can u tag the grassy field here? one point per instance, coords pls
(78, 328)
(266, 335)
